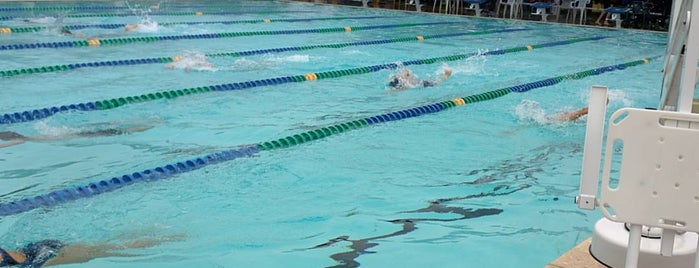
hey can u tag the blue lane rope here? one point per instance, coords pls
(170, 170)
(75, 27)
(126, 62)
(36, 114)
(31, 115)
(197, 13)
(139, 39)
(93, 8)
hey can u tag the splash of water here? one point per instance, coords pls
(192, 60)
(292, 58)
(267, 61)
(44, 129)
(529, 110)
(619, 96)
(475, 64)
(146, 24)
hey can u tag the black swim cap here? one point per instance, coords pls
(394, 82)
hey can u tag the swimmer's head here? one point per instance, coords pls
(394, 82)
(447, 71)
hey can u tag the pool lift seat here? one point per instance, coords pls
(655, 193)
(656, 188)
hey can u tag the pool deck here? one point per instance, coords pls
(577, 257)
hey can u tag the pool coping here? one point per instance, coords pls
(577, 257)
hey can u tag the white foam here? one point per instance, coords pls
(529, 110)
(281, 59)
(267, 61)
(355, 52)
(472, 65)
(619, 96)
(192, 60)
(147, 26)
(244, 64)
(44, 129)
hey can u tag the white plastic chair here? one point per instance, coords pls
(570, 7)
(515, 8)
(475, 5)
(541, 10)
(582, 7)
(658, 175)
(446, 4)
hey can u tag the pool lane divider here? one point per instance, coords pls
(31, 115)
(121, 26)
(180, 13)
(170, 170)
(142, 39)
(94, 8)
(67, 67)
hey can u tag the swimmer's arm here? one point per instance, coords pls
(138, 128)
(81, 254)
(77, 253)
(571, 116)
(11, 143)
(445, 76)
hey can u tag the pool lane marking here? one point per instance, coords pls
(94, 8)
(121, 26)
(170, 170)
(180, 13)
(141, 39)
(31, 115)
(72, 66)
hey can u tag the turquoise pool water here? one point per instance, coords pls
(486, 184)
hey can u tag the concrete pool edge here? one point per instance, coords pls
(577, 257)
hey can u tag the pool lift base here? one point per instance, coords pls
(655, 182)
(610, 242)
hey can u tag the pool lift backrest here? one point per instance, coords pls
(657, 186)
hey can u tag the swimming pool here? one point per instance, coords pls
(488, 183)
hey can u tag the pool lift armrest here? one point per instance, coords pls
(592, 151)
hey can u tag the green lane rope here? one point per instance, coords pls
(73, 66)
(36, 114)
(128, 40)
(170, 170)
(179, 13)
(120, 26)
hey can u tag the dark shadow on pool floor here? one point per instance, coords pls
(510, 175)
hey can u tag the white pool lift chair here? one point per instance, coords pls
(654, 187)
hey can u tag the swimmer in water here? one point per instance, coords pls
(66, 31)
(54, 252)
(405, 79)
(191, 60)
(14, 138)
